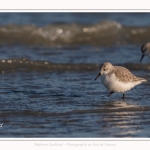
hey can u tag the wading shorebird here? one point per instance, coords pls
(145, 49)
(117, 78)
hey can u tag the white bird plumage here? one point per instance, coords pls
(117, 78)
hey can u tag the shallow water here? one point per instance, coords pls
(47, 86)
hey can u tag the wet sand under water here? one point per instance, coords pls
(41, 98)
(47, 98)
(69, 104)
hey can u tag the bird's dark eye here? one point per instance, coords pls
(104, 69)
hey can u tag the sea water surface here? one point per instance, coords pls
(48, 63)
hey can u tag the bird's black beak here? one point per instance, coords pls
(142, 57)
(98, 75)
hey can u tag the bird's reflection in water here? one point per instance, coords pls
(124, 117)
(117, 104)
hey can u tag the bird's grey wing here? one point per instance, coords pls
(124, 75)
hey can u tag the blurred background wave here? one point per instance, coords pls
(59, 29)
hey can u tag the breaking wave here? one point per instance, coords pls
(102, 33)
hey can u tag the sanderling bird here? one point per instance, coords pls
(145, 49)
(117, 78)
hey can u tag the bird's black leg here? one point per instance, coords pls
(110, 93)
(123, 96)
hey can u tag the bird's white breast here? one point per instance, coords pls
(112, 83)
